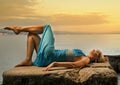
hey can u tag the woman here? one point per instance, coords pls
(47, 55)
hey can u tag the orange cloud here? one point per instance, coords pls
(12, 8)
(21, 12)
(85, 19)
(68, 19)
(59, 19)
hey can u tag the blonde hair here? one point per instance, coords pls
(101, 57)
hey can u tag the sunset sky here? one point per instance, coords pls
(86, 16)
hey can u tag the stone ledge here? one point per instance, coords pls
(93, 74)
(114, 61)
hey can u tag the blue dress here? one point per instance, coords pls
(47, 52)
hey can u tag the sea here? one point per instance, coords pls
(13, 47)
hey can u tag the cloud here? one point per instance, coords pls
(85, 19)
(68, 19)
(14, 8)
(21, 12)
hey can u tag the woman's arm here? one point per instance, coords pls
(59, 64)
(82, 62)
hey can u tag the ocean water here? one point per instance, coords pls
(13, 47)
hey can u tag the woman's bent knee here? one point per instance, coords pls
(32, 35)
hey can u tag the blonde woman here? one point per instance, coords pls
(47, 55)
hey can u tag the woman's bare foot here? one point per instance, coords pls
(13, 28)
(24, 63)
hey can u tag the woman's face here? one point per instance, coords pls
(94, 54)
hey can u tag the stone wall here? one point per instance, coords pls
(93, 74)
(114, 61)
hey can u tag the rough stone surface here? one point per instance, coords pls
(93, 74)
(114, 61)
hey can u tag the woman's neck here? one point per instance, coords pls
(91, 59)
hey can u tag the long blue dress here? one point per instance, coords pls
(47, 52)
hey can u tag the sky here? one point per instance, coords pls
(85, 16)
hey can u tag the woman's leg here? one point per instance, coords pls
(46, 48)
(33, 41)
(38, 29)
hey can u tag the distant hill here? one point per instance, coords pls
(6, 31)
(55, 32)
(63, 32)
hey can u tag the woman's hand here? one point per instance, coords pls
(106, 58)
(49, 66)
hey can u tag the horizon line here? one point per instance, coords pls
(64, 32)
